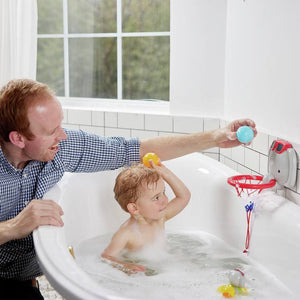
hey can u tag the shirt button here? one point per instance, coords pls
(24, 175)
(26, 202)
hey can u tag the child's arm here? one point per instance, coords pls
(182, 193)
(117, 244)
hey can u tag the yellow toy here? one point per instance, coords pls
(230, 291)
(236, 286)
(152, 156)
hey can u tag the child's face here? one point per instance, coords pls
(153, 200)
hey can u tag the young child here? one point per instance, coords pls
(140, 191)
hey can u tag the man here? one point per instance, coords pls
(35, 152)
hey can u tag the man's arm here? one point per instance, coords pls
(168, 147)
(38, 212)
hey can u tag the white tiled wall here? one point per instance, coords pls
(252, 159)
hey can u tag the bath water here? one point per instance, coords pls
(187, 265)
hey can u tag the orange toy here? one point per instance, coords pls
(152, 156)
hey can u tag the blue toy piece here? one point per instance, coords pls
(245, 134)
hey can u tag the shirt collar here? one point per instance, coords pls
(9, 167)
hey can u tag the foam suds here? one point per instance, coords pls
(188, 265)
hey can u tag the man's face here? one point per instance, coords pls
(45, 123)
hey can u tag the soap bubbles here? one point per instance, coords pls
(245, 134)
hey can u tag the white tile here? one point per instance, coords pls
(111, 119)
(159, 123)
(238, 154)
(93, 129)
(188, 124)
(254, 173)
(71, 126)
(128, 120)
(222, 159)
(223, 123)
(294, 197)
(79, 116)
(243, 170)
(214, 150)
(249, 146)
(263, 164)
(143, 134)
(117, 132)
(97, 118)
(211, 124)
(226, 152)
(261, 143)
(271, 139)
(252, 160)
(214, 156)
(162, 133)
(230, 163)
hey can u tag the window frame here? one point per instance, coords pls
(119, 35)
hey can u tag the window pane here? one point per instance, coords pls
(50, 64)
(146, 67)
(93, 67)
(146, 15)
(50, 16)
(92, 16)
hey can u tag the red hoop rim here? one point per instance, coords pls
(236, 181)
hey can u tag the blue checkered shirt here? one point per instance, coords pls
(81, 152)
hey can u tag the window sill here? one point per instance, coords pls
(128, 106)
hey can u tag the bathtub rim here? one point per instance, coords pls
(49, 267)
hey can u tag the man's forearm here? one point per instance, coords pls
(168, 147)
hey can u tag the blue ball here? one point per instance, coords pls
(245, 134)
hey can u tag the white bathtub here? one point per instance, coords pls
(90, 210)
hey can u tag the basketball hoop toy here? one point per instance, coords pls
(248, 186)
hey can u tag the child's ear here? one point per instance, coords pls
(132, 208)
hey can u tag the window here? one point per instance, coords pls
(112, 49)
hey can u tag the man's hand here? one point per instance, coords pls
(36, 213)
(226, 137)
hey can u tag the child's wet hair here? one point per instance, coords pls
(128, 183)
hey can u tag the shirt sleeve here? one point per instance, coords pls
(85, 152)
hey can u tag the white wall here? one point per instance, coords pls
(263, 64)
(198, 30)
(258, 76)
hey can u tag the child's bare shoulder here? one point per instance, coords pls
(126, 229)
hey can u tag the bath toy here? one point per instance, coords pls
(237, 278)
(236, 286)
(246, 186)
(152, 156)
(245, 134)
(229, 291)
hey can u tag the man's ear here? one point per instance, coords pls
(132, 208)
(17, 139)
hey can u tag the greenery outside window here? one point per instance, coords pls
(110, 49)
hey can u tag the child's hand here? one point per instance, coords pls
(161, 169)
(129, 268)
(150, 157)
